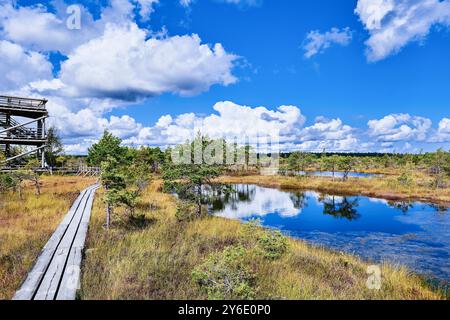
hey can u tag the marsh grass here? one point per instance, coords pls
(26, 225)
(157, 261)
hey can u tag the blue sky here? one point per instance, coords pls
(363, 85)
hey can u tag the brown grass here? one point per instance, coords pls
(26, 225)
(156, 261)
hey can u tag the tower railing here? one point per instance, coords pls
(22, 103)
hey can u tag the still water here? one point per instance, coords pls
(413, 234)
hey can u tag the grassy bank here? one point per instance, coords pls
(26, 225)
(154, 258)
(380, 187)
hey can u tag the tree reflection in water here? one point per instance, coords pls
(299, 200)
(340, 207)
(232, 195)
(440, 208)
(403, 206)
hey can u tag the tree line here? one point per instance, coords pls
(435, 164)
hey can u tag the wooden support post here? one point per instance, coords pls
(108, 216)
(8, 134)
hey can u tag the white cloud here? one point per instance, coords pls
(38, 29)
(392, 24)
(443, 132)
(47, 31)
(246, 125)
(400, 127)
(146, 8)
(186, 3)
(325, 129)
(444, 125)
(81, 129)
(231, 121)
(331, 135)
(317, 42)
(18, 67)
(123, 127)
(122, 64)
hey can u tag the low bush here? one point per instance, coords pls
(405, 179)
(272, 244)
(7, 182)
(226, 275)
(188, 211)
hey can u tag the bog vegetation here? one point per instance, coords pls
(151, 235)
(213, 258)
(178, 251)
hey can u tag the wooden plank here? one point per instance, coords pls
(52, 250)
(48, 288)
(71, 277)
(30, 285)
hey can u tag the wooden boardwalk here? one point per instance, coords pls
(56, 274)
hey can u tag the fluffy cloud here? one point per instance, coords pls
(19, 67)
(444, 126)
(231, 121)
(80, 129)
(109, 62)
(46, 31)
(392, 24)
(245, 124)
(326, 134)
(443, 132)
(146, 8)
(122, 64)
(186, 3)
(317, 42)
(400, 127)
(325, 129)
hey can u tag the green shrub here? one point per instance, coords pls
(269, 243)
(7, 182)
(405, 179)
(250, 232)
(226, 275)
(188, 211)
(273, 244)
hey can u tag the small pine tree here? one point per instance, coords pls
(109, 146)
